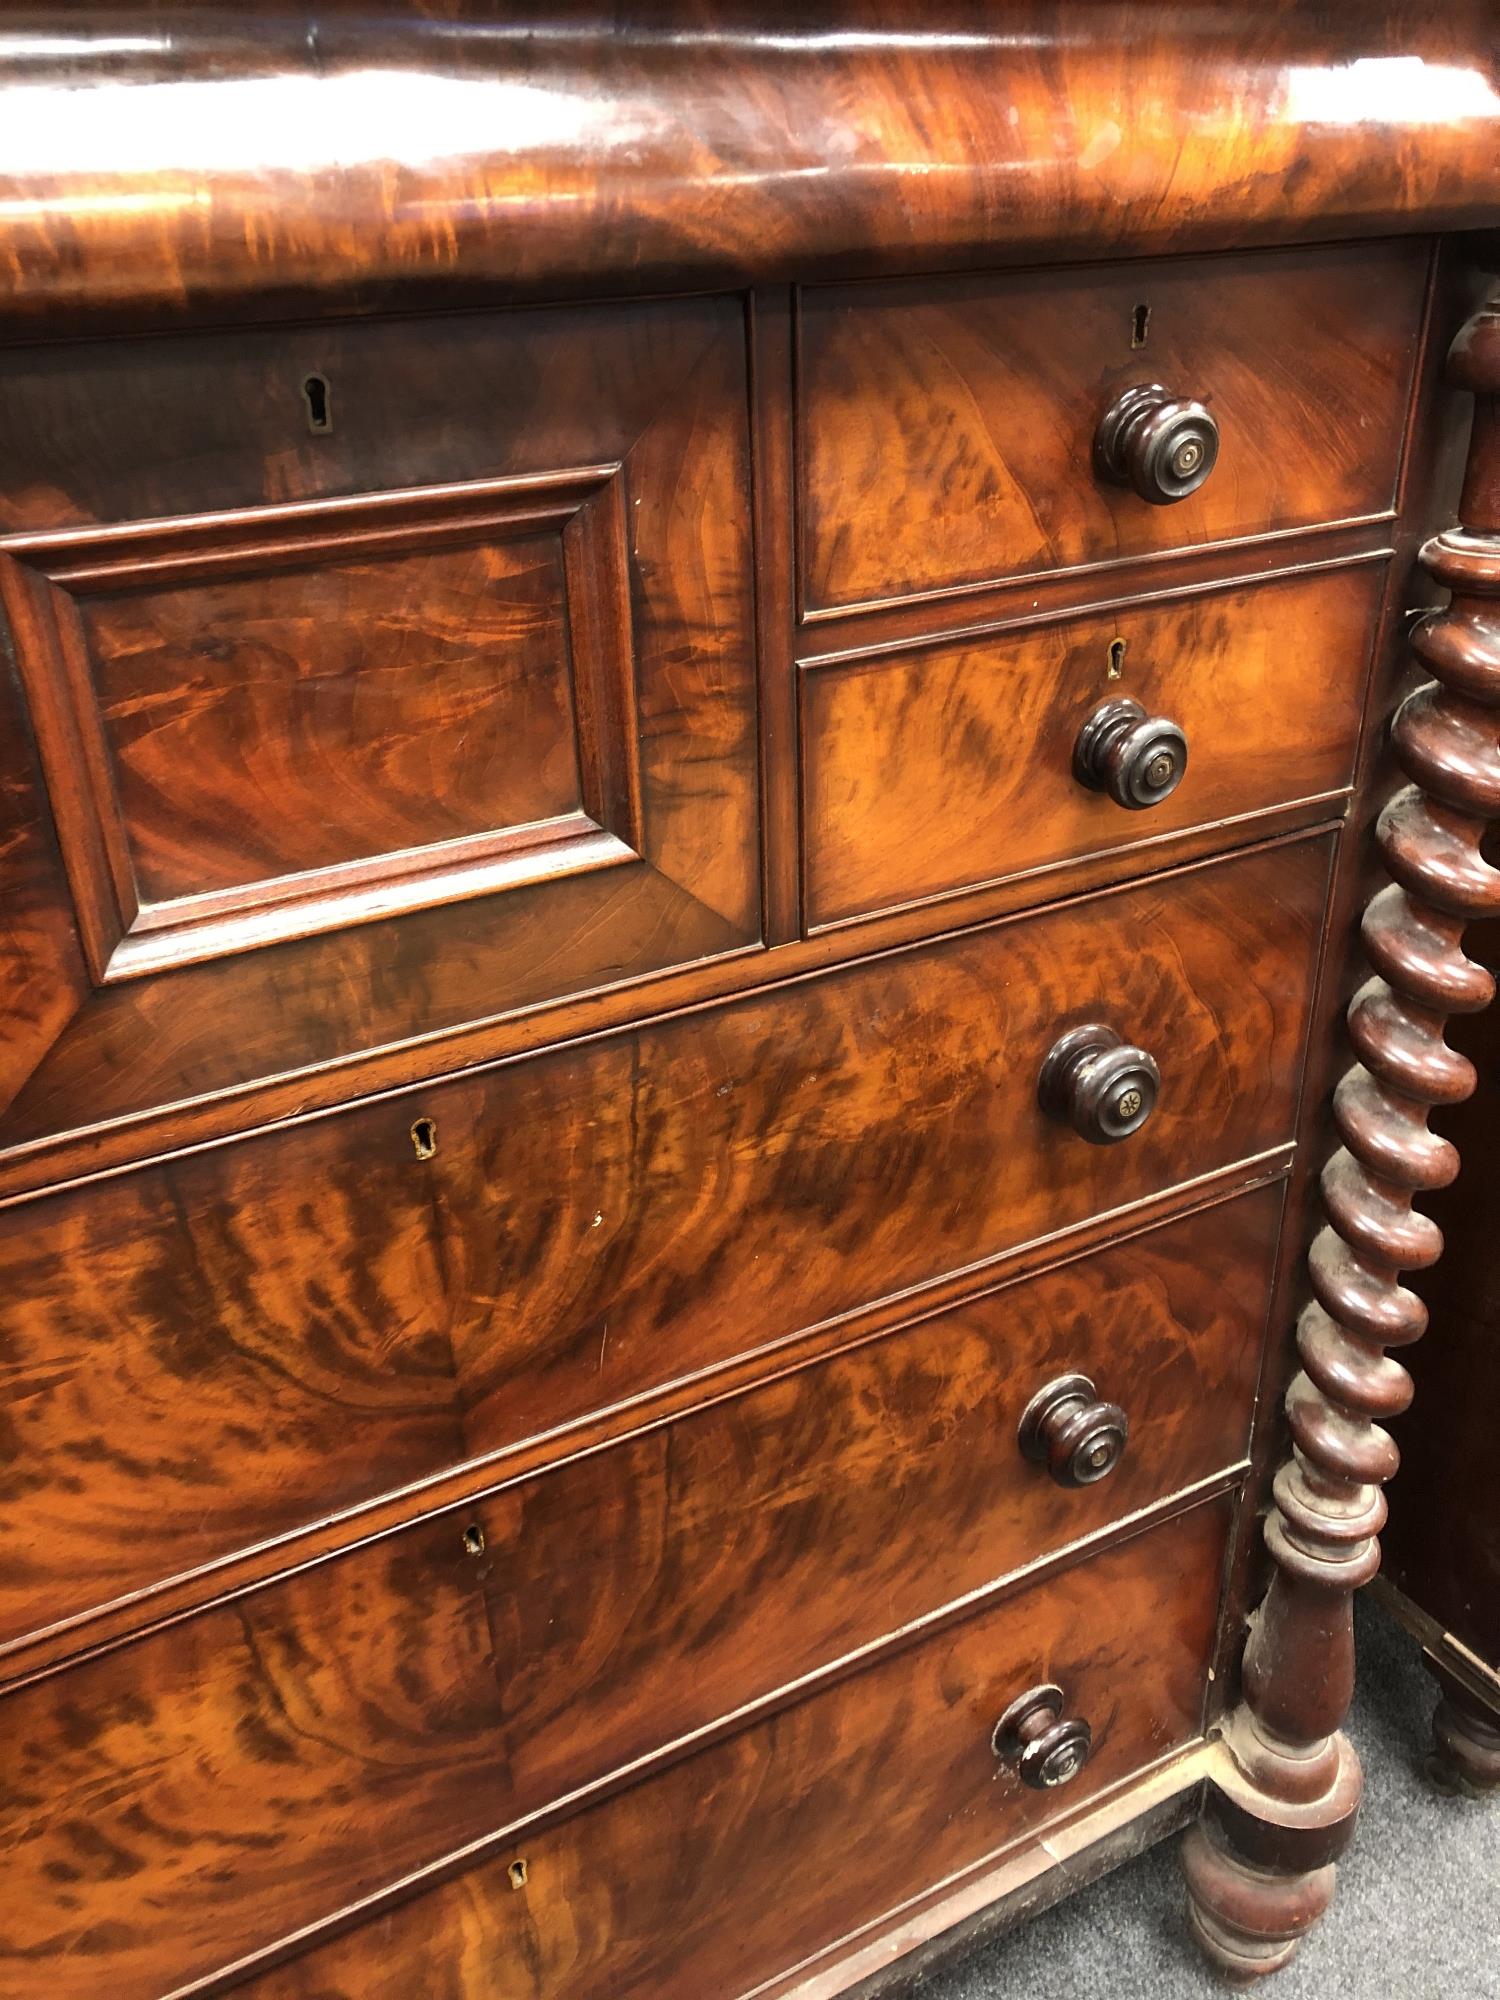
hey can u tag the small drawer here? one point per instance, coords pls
(950, 428)
(242, 1341)
(471, 1671)
(378, 673)
(724, 1871)
(952, 764)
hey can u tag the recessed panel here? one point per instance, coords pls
(266, 724)
(299, 719)
(329, 739)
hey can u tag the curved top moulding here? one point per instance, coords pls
(176, 159)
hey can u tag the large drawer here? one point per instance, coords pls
(947, 425)
(234, 1344)
(953, 763)
(744, 1546)
(385, 1708)
(384, 677)
(760, 1854)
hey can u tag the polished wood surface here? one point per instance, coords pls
(819, 1821)
(474, 1670)
(340, 762)
(596, 1223)
(358, 157)
(357, 736)
(677, 815)
(165, 1808)
(1261, 1865)
(947, 428)
(941, 766)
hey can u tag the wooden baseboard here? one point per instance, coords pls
(1476, 1674)
(887, 1958)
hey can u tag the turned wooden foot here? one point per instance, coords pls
(1465, 1737)
(1260, 1864)
(1248, 1921)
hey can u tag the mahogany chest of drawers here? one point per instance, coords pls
(681, 842)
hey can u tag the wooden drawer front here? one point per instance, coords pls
(617, 1605)
(381, 729)
(941, 767)
(753, 1857)
(239, 1342)
(639, 1594)
(947, 425)
(169, 1806)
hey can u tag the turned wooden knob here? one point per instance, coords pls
(1098, 1084)
(1161, 446)
(1066, 1428)
(1138, 759)
(1047, 1747)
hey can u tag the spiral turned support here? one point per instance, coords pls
(1260, 1866)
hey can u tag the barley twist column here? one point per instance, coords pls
(1260, 1866)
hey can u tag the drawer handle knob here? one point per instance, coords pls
(1161, 446)
(1138, 759)
(1098, 1084)
(1046, 1747)
(1066, 1428)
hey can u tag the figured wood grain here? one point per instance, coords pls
(633, 1597)
(192, 680)
(292, 719)
(203, 1355)
(600, 1222)
(955, 1922)
(771, 1165)
(947, 426)
(178, 442)
(733, 1867)
(357, 709)
(165, 1808)
(942, 766)
(211, 1578)
(358, 156)
(742, 1547)
(239, 1345)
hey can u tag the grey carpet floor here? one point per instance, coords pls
(1417, 1915)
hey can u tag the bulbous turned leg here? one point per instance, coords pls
(1283, 1800)
(1282, 1807)
(1248, 1921)
(1465, 1737)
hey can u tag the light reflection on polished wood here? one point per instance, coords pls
(355, 155)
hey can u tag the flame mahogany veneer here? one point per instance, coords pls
(690, 716)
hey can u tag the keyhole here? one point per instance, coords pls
(518, 1873)
(424, 1138)
(1116, 658)
(319, 405)
(1140, 320)
(474, 1540)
